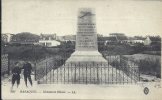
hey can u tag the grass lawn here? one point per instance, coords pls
(148, 64)
(142, 56)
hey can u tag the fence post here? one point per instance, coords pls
(46, 68)
(86, 74)
(139, 71)
(35, 71)
(8, 65)
(79, 72)
(97, 75)
(119, 67)
(101, 72)
(75, 74)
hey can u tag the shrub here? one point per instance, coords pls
(150, 66)
(115, 64)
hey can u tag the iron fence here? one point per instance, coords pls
(130, 69)
(54, 71)
(5, 64)
(45, 65)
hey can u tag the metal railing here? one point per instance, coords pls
(5, 69)
(54, 71)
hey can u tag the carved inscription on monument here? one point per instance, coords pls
(86, 34)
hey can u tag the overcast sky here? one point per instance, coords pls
(60, 17)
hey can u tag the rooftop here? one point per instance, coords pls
(107, 39)
(122, 37)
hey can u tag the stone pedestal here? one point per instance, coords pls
(86, 58)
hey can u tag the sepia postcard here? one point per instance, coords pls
(81, 49)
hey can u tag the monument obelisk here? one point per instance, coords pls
(86, 48)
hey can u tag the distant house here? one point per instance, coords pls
(152, 39)
(137, 39)
(6, 37)
(121, 38)
(48, 40)
(71, 38)
(66, 38)
(107, 40)
(60, 38)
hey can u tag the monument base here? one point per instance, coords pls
(83, 58)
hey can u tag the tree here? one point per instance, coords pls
(25, 36)
(2, 46)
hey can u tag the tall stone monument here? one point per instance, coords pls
(86, 48)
